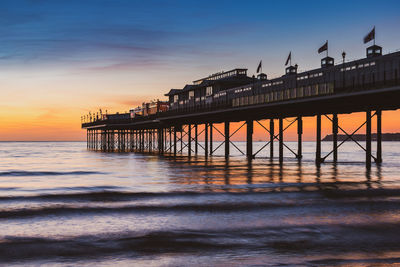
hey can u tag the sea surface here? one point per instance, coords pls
(61, 205)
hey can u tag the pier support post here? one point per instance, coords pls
(140, 136)
(280, 140)
(181, 132)
(162, 137)
(335, 126)
(126, 135)
(119, 140)
(147, 140)
(206, 139)
(174, 141)
(123, 140)
(106, 141)
(318, 149)
(189, 140)
(226, 139)
(211, 138)
(160, 140)
(195, 140)
(379, 136)
(141, 140)
(101, 140)
(299, 137)
(271, 138)
(154, 140)
(144, 140)
(150, 140)
(368, 139)
(112, 140)
(165, 134)
(131, 141)
(249, 143)
(170, 139)
(119, 137)
(136, 140)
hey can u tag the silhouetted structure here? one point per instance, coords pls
(367, 85)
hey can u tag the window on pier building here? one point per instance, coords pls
(314, 89)
(176, 98)
(307, 90)
(330, 88)
(281, 96)
(267, 98)
(191, 94)
(300, 92)
(209, 90)
(293, 93)
(287, 94)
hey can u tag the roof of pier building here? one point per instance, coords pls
(234, 76)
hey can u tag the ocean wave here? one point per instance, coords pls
(290, 240)
(14, 248)
(116, 194)
(106, 194)
(357, 193)
(193, 207)
(59, 210)
(47, 173)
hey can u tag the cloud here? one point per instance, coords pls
(109, 35)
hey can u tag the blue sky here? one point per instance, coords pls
(221, 34)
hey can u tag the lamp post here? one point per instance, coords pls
(344, 69)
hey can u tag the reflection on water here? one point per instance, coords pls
(238, 175)
(63, 205)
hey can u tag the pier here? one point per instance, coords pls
(370, 85)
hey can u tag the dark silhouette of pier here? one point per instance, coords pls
(370, 85)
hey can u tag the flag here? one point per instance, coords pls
(370, 36)
(289, 58)
(259, 66)
(323, 48)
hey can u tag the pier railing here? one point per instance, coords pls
(223, 104)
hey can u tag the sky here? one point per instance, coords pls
(61, 59)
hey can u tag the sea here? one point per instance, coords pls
(62, 205)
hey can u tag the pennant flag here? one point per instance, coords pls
(289, 58)
(259, 66)
(323, 48)
(370, 36)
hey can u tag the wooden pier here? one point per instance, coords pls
(369, 85)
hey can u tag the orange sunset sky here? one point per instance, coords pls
(58, 61)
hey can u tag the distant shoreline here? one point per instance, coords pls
(390, 137)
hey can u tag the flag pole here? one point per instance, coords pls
(327, 48)
(374, 34)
